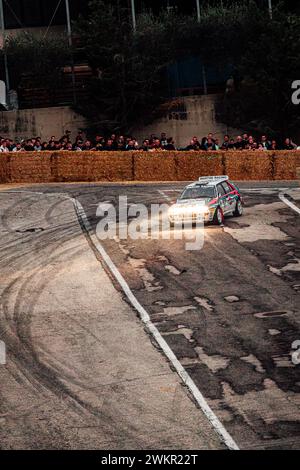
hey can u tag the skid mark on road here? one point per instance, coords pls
(181, 371)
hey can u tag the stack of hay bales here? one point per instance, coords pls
(63, 166)
(285, 164)
(249, 165)
(192, 165)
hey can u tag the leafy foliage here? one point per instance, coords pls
(268, 67)
(132, 67)
(32, 58)
(130, 79)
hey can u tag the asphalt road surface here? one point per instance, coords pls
(229, 312)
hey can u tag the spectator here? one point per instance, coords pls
(131, 145)
(225, 144)
(66, 137)
(122, 142)
(192, 146)
(210, 144)
(4, 146)
(156, 145)
(87, 145)
(245, 140)
(80, 136)
(288, 145)
(163, 139)
(203, 143)
(273, 145)
(145, 146)
(170, 144)
(29, 146)
(78, 146)
(231, 145)
(266, 144)
(109, 146)
(239, 143)
(18, 148)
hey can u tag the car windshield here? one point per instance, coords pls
(198, 192)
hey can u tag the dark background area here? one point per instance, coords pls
(30, 13)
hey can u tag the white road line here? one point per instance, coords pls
(164, 195)
(9, 191)
(263, 189)
(183, 374)
(289, 203)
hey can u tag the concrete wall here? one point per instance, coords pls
(43, 122)
(198, 120)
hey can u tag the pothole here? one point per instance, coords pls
(275, 313)
(232, 298)
(283, 361)
(186, 332)
(293, 265)
(172, 270)
(205, 303)
(251, 359)
(171, 311)
(274, 332)
(274, 270)
(214, 362)
(31, 230)
(147, 277)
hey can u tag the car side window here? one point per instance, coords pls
(227, 188)
(221, 190)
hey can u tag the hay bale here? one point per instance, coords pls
(94, 166)
(4, 168)
(155, 166)
(30, 167)
(192, 165)
(285, 164)
(249, 165)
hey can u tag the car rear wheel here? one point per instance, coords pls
(218, 217)
(238, 209)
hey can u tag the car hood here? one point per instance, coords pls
(193, 202)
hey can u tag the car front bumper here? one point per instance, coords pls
(191, 218)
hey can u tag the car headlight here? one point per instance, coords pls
(174, 210)
(203, 209)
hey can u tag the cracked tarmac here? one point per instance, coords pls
(229, 312)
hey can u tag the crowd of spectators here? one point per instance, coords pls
(242, 142)
(153, 143)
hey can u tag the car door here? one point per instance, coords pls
(230, 197)
(223, 202)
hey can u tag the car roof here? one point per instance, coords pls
(210, 181)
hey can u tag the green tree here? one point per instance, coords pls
(36, 59)
(269, 65)
(129, 68)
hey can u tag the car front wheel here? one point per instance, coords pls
(218, 217)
